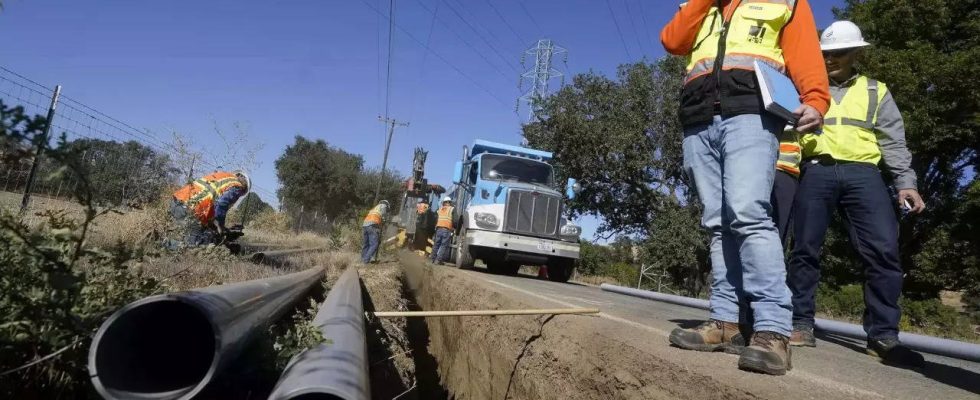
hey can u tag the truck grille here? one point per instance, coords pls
(532, 213)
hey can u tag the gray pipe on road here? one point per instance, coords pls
(337, 368)
(923, 343)
(171, 346)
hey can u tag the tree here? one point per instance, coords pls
(249, 207)
(926, 51)
(318, 178)
(621, 139)
(128, 172)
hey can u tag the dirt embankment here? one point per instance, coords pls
(542, 357)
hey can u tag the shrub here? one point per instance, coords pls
(270, 221)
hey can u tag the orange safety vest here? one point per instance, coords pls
(790, 154)
(374, 216)
(200, 196)
(445, 218)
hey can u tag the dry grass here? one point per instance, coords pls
(336, 262)
(205, 267)
(286, 239)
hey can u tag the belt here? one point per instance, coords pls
(825, 159)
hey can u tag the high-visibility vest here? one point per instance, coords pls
(200, 196)
(848, 130)
(790, 155)
(753, 34)
(374, 216)
(445, 217)
(422, 208)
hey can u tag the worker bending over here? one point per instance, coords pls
(840, 171)
(730, 150)
(444, 232)
(373, 226)
(199, 208)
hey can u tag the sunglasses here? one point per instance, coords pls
(837, 53)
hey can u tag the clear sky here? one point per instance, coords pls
(317, 68)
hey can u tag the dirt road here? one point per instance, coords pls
(623, 352)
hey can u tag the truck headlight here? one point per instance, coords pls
(571, 231)
(486, 220)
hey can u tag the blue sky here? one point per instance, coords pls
(317, 68)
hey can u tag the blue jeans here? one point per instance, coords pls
(440, 246)
(732, 163)
(858, 190)
(372, 239)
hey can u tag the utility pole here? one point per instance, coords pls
(540, 74)
(391, 122)
(40, 149)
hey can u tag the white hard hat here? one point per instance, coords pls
(245, 180)
(445, 199)
(842, 35)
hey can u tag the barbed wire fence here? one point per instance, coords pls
(128, 165)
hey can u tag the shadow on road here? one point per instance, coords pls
(942, 373)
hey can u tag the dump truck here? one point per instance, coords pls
(509, 211)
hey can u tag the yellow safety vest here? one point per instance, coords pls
(201, 195)
(753, 33)
(445, 218)
(790, 154)
(374, 216)
(848, 130)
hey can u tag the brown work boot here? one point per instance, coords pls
(802, 336)
(711, 335)
(768, 353)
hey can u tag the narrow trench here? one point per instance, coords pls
(428, 384)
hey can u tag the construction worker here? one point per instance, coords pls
(444, 231)
(786, 181)
(730, 147)
(373, 226)
(840, 171)
(200, 207)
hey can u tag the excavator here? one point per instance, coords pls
(415, 225)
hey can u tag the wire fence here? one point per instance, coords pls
(125, 165)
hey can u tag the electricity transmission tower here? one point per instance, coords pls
(540, 74)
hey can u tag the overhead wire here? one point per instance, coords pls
(480, 35)
(391, 31)
(509, 26)
(618, 30)
(461, 38)
(439, 56)
(425, 55)
(636, 34)
(531, 17)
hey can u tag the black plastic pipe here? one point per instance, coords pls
(337, 367)
(171, 346)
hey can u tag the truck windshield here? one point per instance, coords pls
(518, 169)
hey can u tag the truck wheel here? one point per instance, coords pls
(561, 269)
(464, 260)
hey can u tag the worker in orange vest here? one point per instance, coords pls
(444, 231)
(373, 225)
(200, 207)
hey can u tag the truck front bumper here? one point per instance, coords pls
(522, 244)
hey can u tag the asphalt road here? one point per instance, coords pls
(836, 364)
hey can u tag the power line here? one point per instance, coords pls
(535, 22)
(646, 24)
(478, 34)
(509, 26)
(620, 31)
(466, 42)
(391, 31)
(636, 34)
(425, 55)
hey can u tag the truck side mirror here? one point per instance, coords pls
(572, 188)
(458, 173)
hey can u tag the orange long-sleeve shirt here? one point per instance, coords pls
(801, 47)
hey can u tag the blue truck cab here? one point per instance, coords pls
(509, 211)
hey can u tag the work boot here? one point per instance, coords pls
(802, 336)
(892, 352)
(768, 353)
(711, 335)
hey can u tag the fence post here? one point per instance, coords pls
(40, 149)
